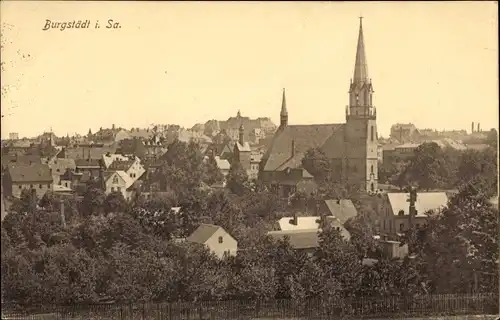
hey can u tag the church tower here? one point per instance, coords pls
(361, 125)
(284, 112)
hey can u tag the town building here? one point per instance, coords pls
(35, 176)
(351, 146)
(395, 213)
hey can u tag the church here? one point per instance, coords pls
(351, 146)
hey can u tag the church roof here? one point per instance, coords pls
(304, 137)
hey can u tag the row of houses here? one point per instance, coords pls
(302, 231)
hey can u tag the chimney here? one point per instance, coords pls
(63, 217)
(293, 147)
(472, 127)
(294, 219)
(478, 127)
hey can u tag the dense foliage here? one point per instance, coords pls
(129, 251)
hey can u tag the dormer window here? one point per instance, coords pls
(221, 240)
(401, 213)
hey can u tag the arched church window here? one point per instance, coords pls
(372, 187)
(371, 169)
(372, 133)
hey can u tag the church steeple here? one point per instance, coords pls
(361, 89)
(284, 112)
(360, 66)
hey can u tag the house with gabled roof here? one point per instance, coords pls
(119, 181)
(396, 212)
(351, 147)
(215, 238)
(342, 209)
(132, 167)
(35, 176)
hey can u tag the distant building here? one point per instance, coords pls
(14, 136)
(35, 177)
(253, 172)
(404, 132)
(253, 127)
(90, 166)
(216, 239)
(59, 166)
(242, 151)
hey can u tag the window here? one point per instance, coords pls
(31, 186)
(57, 170)
(131, 175)
(115, 179)
(221, 240)
(418, 226)
(66, 184)
(401, 227)
(372, 133)
(40, 186)
(48, 185)
(372, 187)
(20, 187)
(119, 189)
(112, 189)
(371, 169)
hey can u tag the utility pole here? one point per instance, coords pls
(412, 211)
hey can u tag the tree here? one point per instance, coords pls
(114, 202)
(92, 202)
(49, 201)
(26, 203)
(475, 165)
(237, 179)
(212, 173)
(492, 138)
(427, 168)
(338, 259)
(459, 246)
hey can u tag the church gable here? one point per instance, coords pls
(289, 144)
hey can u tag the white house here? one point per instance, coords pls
(214, 238)
(120, 181)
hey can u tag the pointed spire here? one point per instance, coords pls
(284, 112)
(360, 67)
(283, 104)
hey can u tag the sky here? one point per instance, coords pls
(433, 64)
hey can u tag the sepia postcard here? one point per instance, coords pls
(249, 160)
